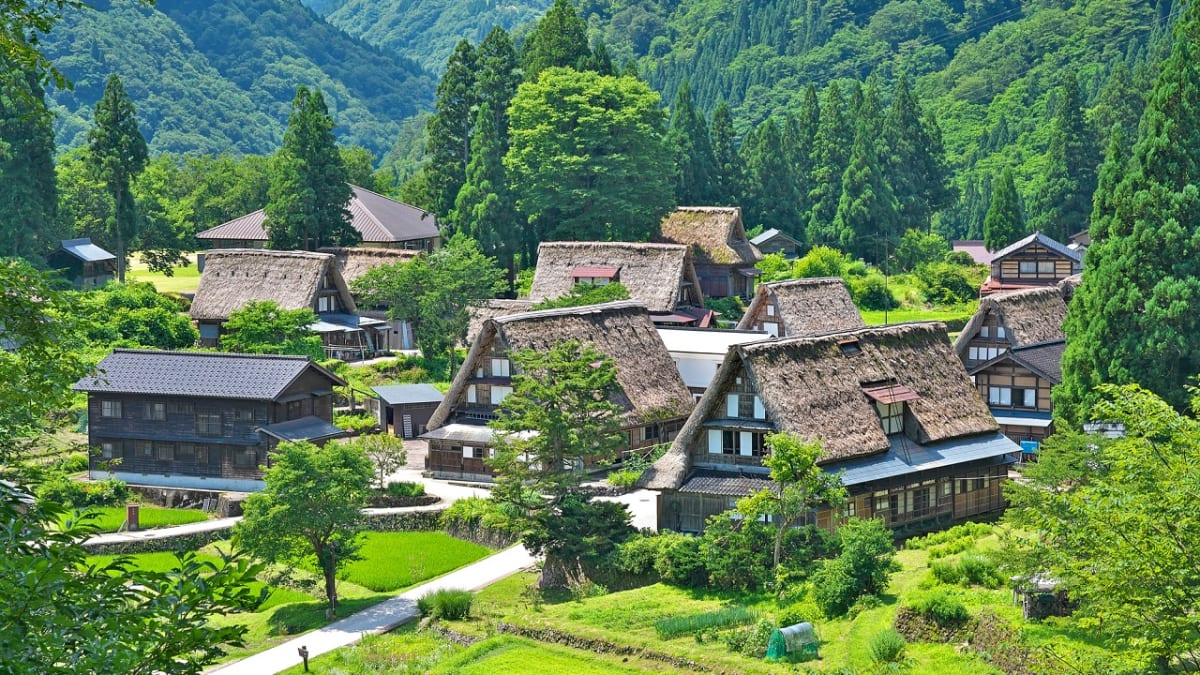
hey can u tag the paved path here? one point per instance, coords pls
(379, 618)
(162, 532)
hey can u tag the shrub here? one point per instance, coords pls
(737, 554)
(474, 512)
(406, 489)
(821, 261)
(960, 258)
(60, 489)
(752, 640)
(674, 626)
(637, 556)
(946, 572)
(451, 604)
(979, 570)
(679, 562)
(872, 292)
(356, 423)
(790, 616)
(833, 587)
(625, 478)
(73, 463)
(862, 604)
(945, 284)
(970, 531)
(887, 646)
(941, 608)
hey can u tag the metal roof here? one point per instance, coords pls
(725, 484)
(681, 340)
(467, 433)
(198, 374)
(400, 394)
(906, 457)
(768, 235)
(85, 250)
(1028, 418)
(309, 428)
(379, 219)
(1042, 239)
(891, 393)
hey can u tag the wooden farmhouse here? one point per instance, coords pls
(801, 307)
(699, 352)
(652, 394)
(353, 262)
(1035, 261)
(1012, 347)
(895, 412)
(202, 420)
(383, 222)
(405, 409)
(775, 241)
(660, 276)
(83, 263)
(725, 258)
(293, 280)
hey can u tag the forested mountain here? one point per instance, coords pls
(210, 77)
(425, 30)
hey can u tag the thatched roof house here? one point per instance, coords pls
(1008, 320)
(382, 222)
(890, 404)
(802, 307)
(725, 258)
(492, 309)
(660, 276)
(353, 262)
(651, 392)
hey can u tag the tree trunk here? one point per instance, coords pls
(556, 572)
(120, 254)
(330, 570)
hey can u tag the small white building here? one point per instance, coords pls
(698, 352)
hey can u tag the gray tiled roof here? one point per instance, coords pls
(1042, 239)
(304, 429)
(726, 484)
(197, 374)
(905, 457)
(399, 394)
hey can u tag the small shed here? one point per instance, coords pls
(83, 263)
(796, 640)
(405, 409)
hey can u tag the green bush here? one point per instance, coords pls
(737, 554)
(970, 531)
(482, 512)
(72, 463)
(357, 423)
(60, 489)
(625, 478)
(673, 627)
(945, 284)
(941, 608)
(821, 261)
(946, 572)
(637, 556)
(979, 570)
(790, 616)
(834, 588)
(752, 640)
(679, 561)
(872, 292)
(887, 646)
(960, 258)
(450, 604)
(406, 489)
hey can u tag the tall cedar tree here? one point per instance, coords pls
(588, 159)
(800, 135)
(919, 178)
(308, 194)
(1120, 102)
(485, 209)
(116, 155)
(730, 177)
(563, 395)
(497, 77)
(866, 218)
(1064, 200)
(449, 143)
(1005, 222)
(770, 199)
(28, 189)
(558, 40)
(831, 156)
(695, 164)
(1115, 160)
(1132, 319)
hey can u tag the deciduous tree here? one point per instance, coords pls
(261, 327)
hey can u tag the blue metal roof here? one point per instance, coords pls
(399, 394)
(896, 462)
(309, 428)
(86, 251)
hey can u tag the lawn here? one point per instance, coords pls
(395, 560)
(110, 518)
(944, 314)
(182, 280)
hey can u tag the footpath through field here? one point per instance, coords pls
(378, 618)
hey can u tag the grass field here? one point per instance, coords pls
(395, 560)
(110, 518)
(873, 318)
(183, 279)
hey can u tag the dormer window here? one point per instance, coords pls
(889, 402)
(594, 275)
(850, 347)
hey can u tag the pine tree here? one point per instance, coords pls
(1004, 222)
(559, 39)
(695, 164)
(307, 198)
(1116, 158)
(918, 176)
(831, 156)
(770, 194)
(1120, 102)
(866, 218)
(497, 78)
(1133, 318)
(799, 135)
(484, 208)
(730, 177)
(449, 144)
(116, 155)
(28, 190)
(1064, 202)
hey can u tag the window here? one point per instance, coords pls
(1045, 267)
(1000, 332)
(209, 424)
(164, 452)
(245, 458)
(156, 411)
(500, 368)
(892, 416)
(947, 488)
(999, 396)
(848, 509)
(179, 408)
(185, 452)
(327, 303)
(110, 409)
(770, 309)
(745, 406)
(243, 415)
(144, 449)
(108, 450)
(984, 331)
(882, 503)
(202, 454)
(729, 442)
(499, 394)
(984, 353)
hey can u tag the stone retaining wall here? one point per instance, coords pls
(598, 646)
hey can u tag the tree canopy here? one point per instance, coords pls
(116, 156)
(261, 327)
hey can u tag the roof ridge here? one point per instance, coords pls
(270, 253)
(614, 244)
(197, 352)
(848, 332)
(568, 311)
(1041, 343)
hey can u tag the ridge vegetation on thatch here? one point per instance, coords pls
(715, 232)
(1028, 316)
(355, 261)
(813, 387)
(491, 309)
(654, 274)
(804, 307)
(291, 279)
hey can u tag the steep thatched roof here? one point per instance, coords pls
(491, 309)
(1028, 316)
(292, 279)
(650, 386)
(813, 387)
(806, 306)
(653, 273)
(353, 262)
(1068, 286)
(715, 233)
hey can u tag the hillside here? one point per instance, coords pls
(214, 77)
(425, 31)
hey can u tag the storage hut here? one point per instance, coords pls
(405, 409)
(83, 263)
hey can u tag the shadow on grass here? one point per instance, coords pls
(299, 617)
